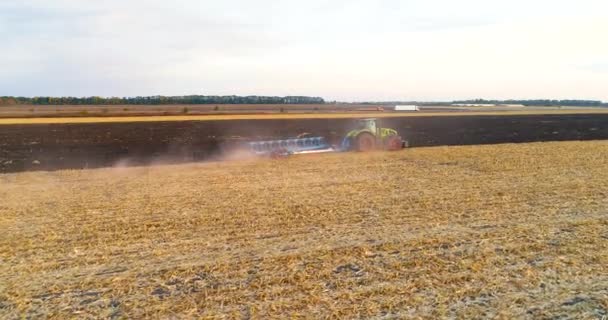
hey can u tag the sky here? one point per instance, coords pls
(346, 50)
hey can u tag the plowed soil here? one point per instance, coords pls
(53, 146)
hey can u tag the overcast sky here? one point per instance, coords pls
(349, 50)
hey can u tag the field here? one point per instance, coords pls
(261, 114)
(50, 144)
(251, 110)
(36, 111)
(496, 231)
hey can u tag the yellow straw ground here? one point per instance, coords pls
(481, 231)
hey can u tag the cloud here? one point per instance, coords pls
(347, 50)
(595, 67)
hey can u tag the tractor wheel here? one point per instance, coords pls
(365, 142)
(394, 143)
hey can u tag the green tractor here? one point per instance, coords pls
(368, 136)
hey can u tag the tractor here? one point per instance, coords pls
(367, 136)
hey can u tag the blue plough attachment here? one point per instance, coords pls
(291, 146)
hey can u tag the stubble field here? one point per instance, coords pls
(474, 231)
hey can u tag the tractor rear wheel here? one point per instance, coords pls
(365, 142)
(393, 143)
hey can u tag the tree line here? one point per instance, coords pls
(539, 102)
(201, 99)
(158, 100)
(527, 103)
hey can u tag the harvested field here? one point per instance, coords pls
(505, 231)
(54, 146)
(189, 110)
(229, 111)
(290, 116)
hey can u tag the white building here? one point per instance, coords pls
(407, 108)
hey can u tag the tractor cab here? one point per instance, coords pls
(367, 124)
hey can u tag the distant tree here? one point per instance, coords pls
(155, 100)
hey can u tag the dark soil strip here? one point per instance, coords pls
(63, 146)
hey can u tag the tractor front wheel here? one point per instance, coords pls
(365, 142)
